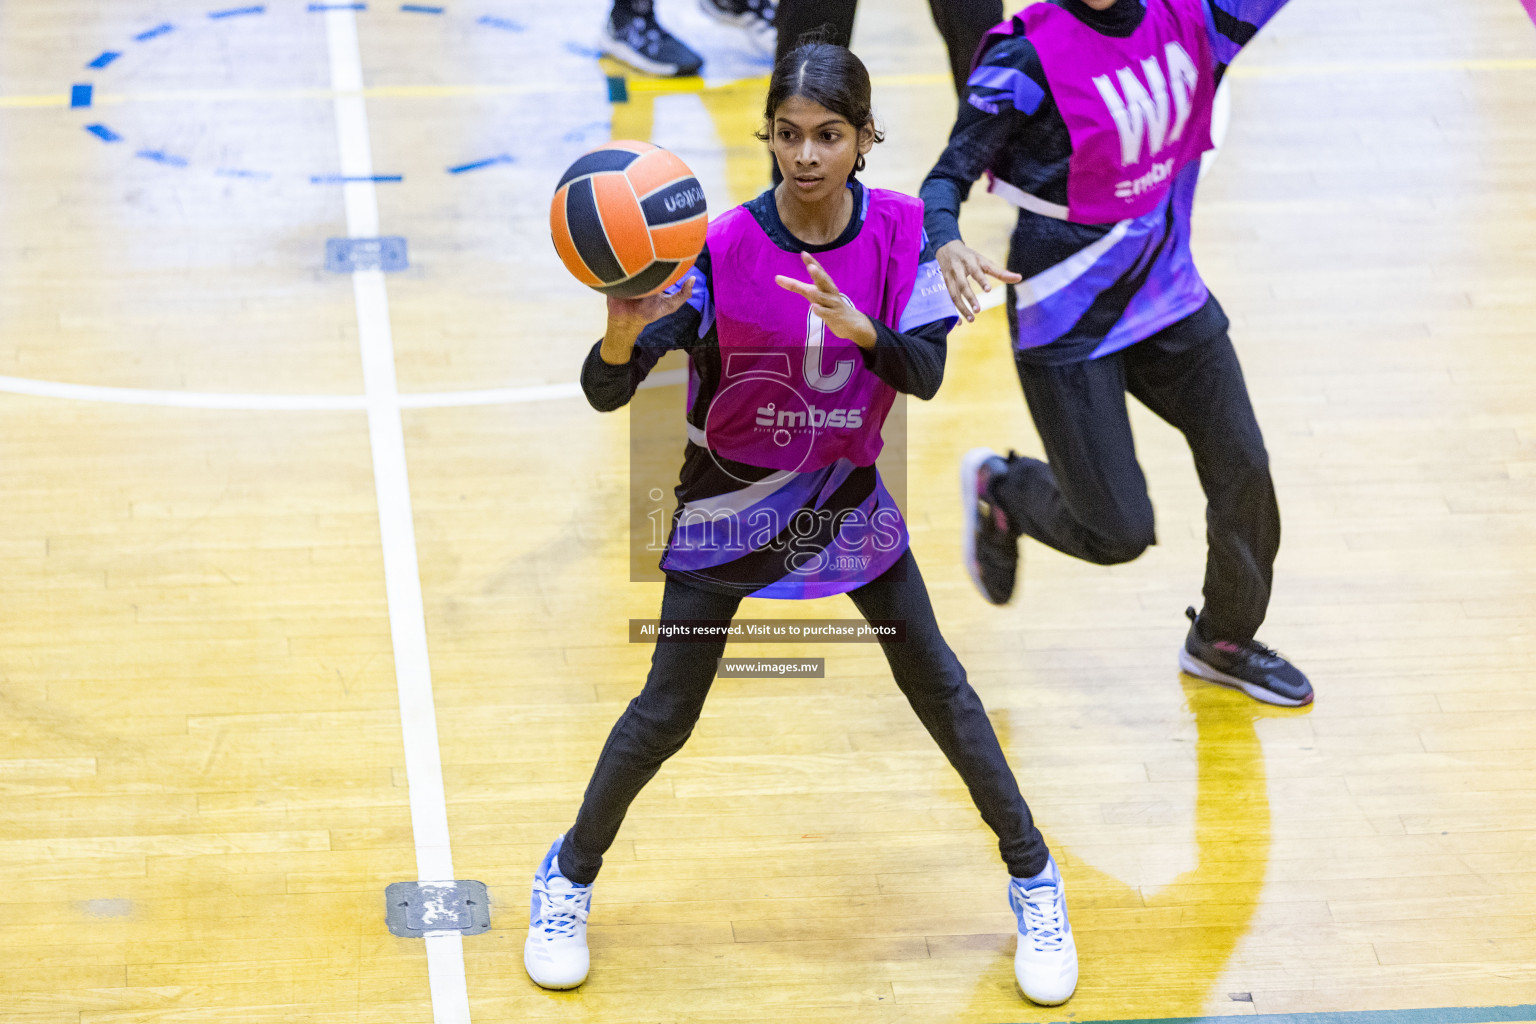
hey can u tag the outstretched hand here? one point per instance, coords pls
(628, 317)
(830, 304)
(638, 313)
(960, 265)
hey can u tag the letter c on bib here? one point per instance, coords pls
(815, 337)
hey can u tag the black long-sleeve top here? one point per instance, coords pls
(910, 361)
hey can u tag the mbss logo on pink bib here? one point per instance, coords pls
(793, 395)
(799, 407)
(1138, 109)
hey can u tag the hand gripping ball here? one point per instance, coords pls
(628, 219)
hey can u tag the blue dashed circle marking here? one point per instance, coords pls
(82, 94)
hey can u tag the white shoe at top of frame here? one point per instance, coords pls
(755, 17)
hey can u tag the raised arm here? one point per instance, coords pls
(639, 333)
(1009, 84)
(1232, 23)
(1007, 88)
(910, 356)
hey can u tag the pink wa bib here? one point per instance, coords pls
(1138, 109)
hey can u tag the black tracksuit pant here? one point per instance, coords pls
(659, 721)
(960, 22)
(1089, 499)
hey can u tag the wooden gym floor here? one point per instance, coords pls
(213, 555)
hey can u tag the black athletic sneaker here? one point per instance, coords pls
(1251, 667)
(991, 550)
(755, 17)
(639, 41)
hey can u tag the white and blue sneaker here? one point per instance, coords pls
(1046, 962)
(555, 954)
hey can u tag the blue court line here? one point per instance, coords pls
(342, 179)
(421, 8)
(235, 172)
(505, 24)
(583, 51)
(235, 12)
(579, 133)
(106, 58)
(80, 95)
(160, 156)
(338, 7)
(157, 31)
(1440, 1015)
(103, 133)
(502, 158)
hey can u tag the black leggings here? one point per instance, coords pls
(659, 721)
(960, 22)
(1090, 500)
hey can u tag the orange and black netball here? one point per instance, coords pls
(628, 219)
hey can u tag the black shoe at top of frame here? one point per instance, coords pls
(737, 12)
(1250, 667)
(638, 40)
(990, 548)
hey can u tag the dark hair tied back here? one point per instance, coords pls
(827, 74)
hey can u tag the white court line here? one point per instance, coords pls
(179, 399)
(308, 403)
(514, 396)
(402, 577)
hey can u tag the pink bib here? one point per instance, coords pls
(793, 395)
(1138, 109)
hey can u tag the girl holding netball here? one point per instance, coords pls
(1091, 117)
(790, 381)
